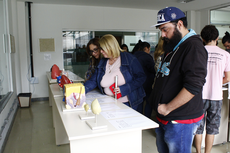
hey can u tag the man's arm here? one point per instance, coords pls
(226, 78)
(182, 98)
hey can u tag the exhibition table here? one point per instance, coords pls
(123, 131)
(75, 78)
(54, 93)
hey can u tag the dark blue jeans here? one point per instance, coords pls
(127, 103)
(175, 137)
(148, 109)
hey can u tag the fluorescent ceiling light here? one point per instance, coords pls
(185, 1)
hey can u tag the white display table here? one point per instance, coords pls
(75, 78)
(55, 92)
(122, 135)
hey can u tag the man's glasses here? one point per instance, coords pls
(95, 50)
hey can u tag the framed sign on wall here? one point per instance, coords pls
(46, 44)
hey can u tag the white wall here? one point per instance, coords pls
(48, 21)
(192, 22)
(204, 18)
(23, 52)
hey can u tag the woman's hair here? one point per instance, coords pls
(143, 45)
(136, 47)
(209, 33)
(226, 38)
(124, 45)
(94, 41)
(93, 61)
(110, 45)
(159, 49)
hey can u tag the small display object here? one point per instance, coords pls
(62, 80)
(88, 115)
(55, 71)
(74, 96)
(64, 73)
(96, 124)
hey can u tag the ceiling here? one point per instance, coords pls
(141, 4)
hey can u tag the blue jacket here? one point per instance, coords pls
(133, 74)
(148, 65)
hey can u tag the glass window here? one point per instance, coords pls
(74, 51)
(220, 18)
(4, 58)
(150, 37)
(74, 46)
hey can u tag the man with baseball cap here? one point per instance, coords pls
(177, 91)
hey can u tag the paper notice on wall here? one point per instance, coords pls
(47, 57)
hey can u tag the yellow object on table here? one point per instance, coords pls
(74, 95)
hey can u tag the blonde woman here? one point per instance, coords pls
(116, 62)
(158, 52)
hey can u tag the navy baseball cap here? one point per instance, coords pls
(168, 14)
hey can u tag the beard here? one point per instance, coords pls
(170, 43)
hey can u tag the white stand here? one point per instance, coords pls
(87, 116)
(64, 109)
(97, 124)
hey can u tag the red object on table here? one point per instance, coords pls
(55, 72)
(65, 80)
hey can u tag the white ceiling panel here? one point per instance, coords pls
(141, 4)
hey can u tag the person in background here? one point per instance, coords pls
(136, 47)
(177, 91)
(125, 47)
(93, 51)
(218, 73)
(159, 51)
(116, 62)
(148, 66)
(226, 41)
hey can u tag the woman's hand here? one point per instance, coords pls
(117, 90)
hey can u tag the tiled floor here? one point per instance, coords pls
(33, 132)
